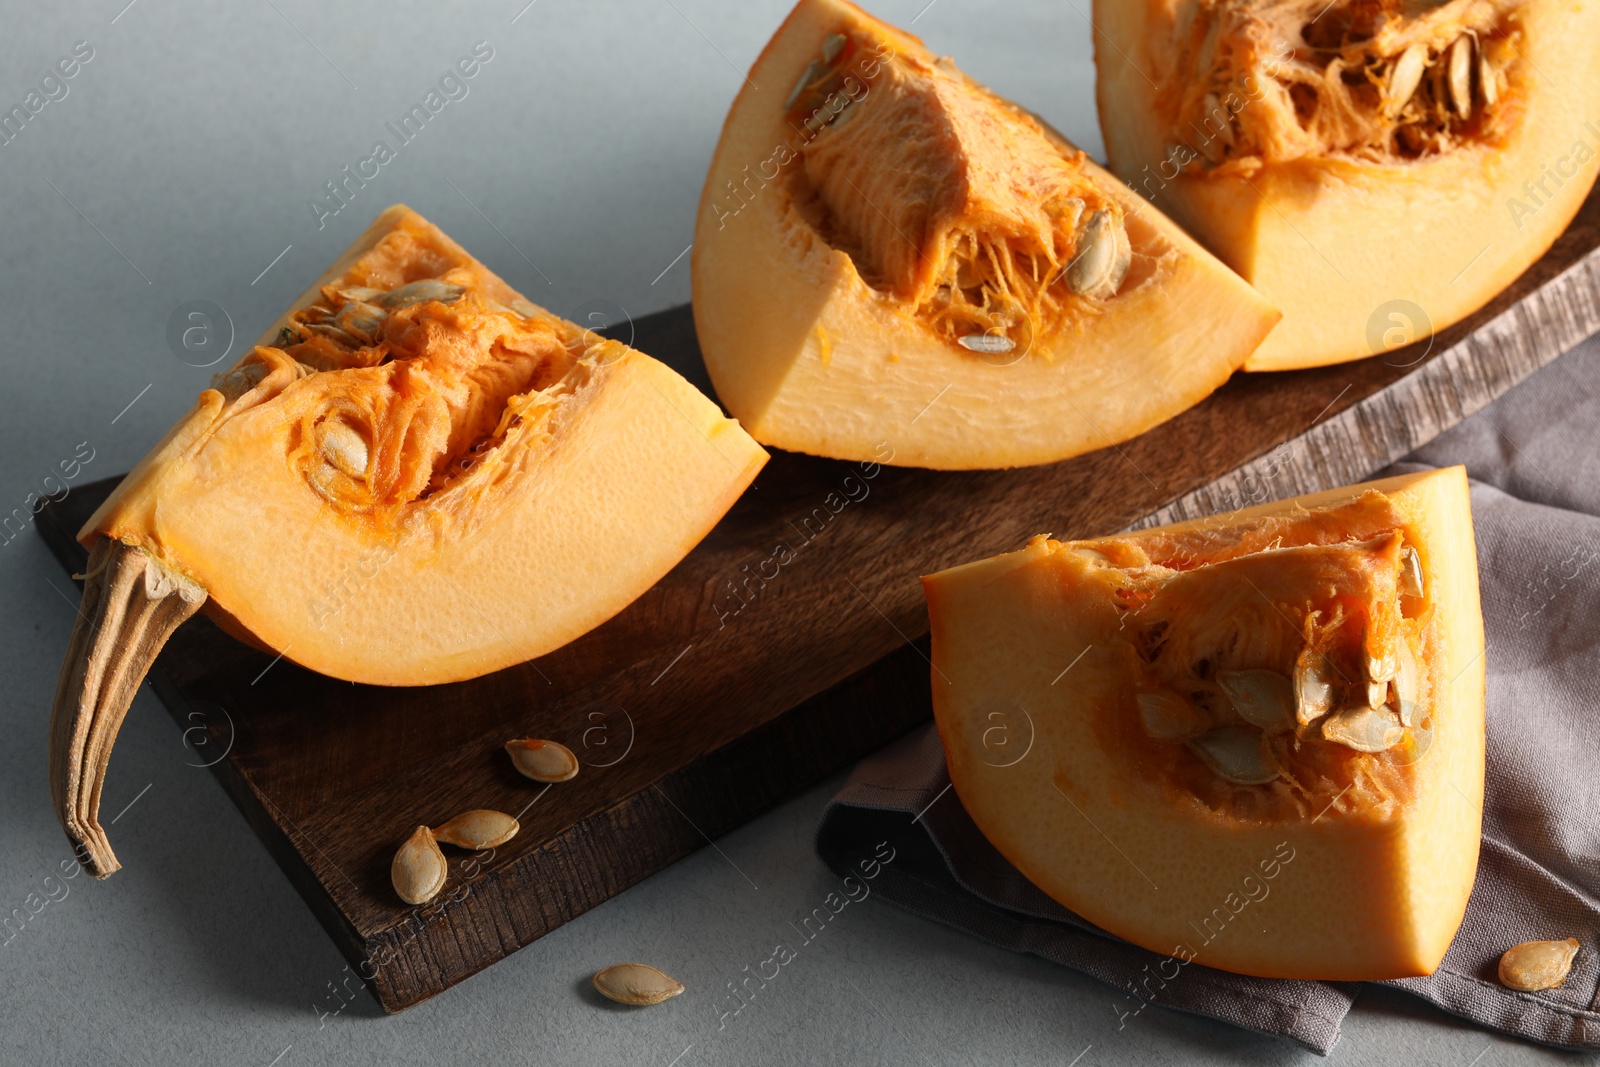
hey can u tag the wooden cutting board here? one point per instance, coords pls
(786, 646)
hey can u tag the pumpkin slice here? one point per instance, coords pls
(1377, 169)
(1255, 741)
(888, 254)
(418, 476)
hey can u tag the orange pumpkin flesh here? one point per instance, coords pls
(417, 477)
(887, 252)
(481, 486)
(1111, 724)
(1280, 134)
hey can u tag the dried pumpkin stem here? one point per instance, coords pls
(131, 605)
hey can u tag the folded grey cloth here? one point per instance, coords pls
(1534, 457)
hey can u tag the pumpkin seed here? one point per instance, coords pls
(360, 318)
(1488, 88)
(1313, 686)
(1224, 120)
(1364, 729)
(1238, 754)
(1065, 210)
(419, 868)
(235, 383)
(1381, 667)
(327, 329)
(832, 47)
(1092, 556)
(1406, 685)
(1262, 698)
(403, 296)
(1535, 965)
(1410, 572)
(800, 86)
(1103, 258)
(1405, 76)
(1167, 716)
(362, 293)
(636, 983)
(988, 343)
(1461, 75)
(482, 828)
(343, 447)
(543, 761)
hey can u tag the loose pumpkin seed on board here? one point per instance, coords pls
(482, 828)
(543, 761)
(419, 868)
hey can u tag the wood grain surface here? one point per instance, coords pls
(786, 646)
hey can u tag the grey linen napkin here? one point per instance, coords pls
(1534, 457)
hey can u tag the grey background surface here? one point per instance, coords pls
(179, 166)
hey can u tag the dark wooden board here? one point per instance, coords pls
(752, 671)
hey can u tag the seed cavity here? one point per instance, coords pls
(543, 761)
(1364, 729)
(638, 984)
(1238, 754)
(419, 868)
(1167, 716)
(478, 829)
(1262, 698)
(1535, 965)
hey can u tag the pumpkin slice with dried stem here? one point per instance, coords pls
(1254, 741)
(892, 261)
(418, 476)
(1376, 168)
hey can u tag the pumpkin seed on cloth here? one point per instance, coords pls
(1536, 965)
(1536, 514)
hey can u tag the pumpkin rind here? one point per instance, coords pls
(832, 351)
(417, 476)
(1032, 654)
(583, 505)
(1363, 254)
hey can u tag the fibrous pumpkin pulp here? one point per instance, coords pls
(417, 476)
(889, 253)
(1254, 741)
(1376, 168)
